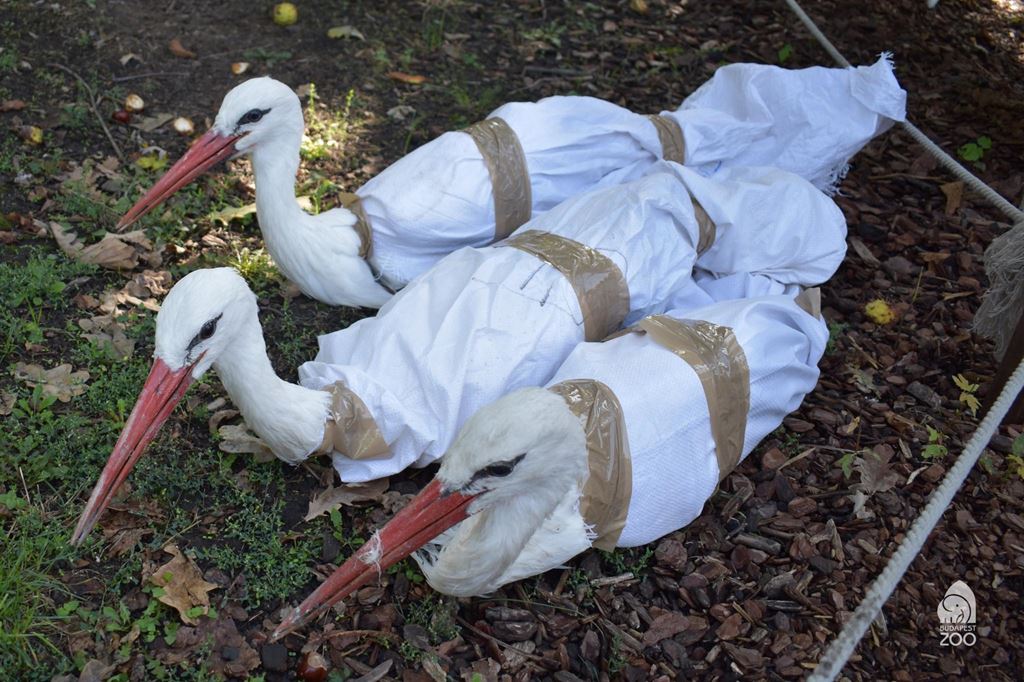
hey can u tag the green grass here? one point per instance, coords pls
(35, 542)
(28, 291)
(251, 542)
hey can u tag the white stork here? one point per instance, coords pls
(446, 195)
(392, 391)
(532, 480)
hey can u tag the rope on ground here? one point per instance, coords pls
(839, 651)
(1015, 214)
(835, 657)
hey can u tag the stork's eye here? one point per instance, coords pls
(208, 329)
(205, 332)
(252, 116)
(499, 469)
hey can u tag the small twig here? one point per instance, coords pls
(28, 498)
(151, 74)
(364, 633)
(613, 580)
(554, 70)
(797, 458)
(92, 105)
(911, 176)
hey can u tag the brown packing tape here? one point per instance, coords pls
(673, 147)
(351, 429)
(510, 177)
(599, 284)
(362, 227)
(604, 502)
(708, 231)
(717, 358)
(809, 301)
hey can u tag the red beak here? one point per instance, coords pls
(208, 150)
(162, 391)
(425, 517)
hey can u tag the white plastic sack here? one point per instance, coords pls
(486, 321)
(668, 425)
(808, 121)
(669, 431)
(667, 421)
(438, 198)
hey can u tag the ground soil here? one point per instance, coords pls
(763, 580)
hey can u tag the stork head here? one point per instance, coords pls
(259, 111)
(525, 443)
(253, 114)
(200, 316)
(516, 458)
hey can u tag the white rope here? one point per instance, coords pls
(839, 651)
(835, 657)
(951, 164)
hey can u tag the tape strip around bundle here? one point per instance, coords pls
(354, 203)
(604, 502)
(809, 300)
(599, 284)
(708, 231)
(717, 358)
(510, 178)
(351, 429)
(670, 134)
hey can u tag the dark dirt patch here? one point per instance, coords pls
(780, 558)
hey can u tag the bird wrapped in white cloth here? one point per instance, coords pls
(473, 187)
(393, 390)
(625, 445)
(486, 321)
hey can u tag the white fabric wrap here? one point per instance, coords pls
(438, 198)
(668, 426)
(486, 321)
(808, 121)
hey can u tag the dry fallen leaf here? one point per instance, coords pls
(107, 333)
(864, 252)
(229, 213)
(183, 584)
(178, 50)
(237, 438)
(59, 382)
(114, 251)
(876, 474)
(7, 401)
(12, 105)
(412, 79)
(330, 499)
(401, 112)
(344, 32)
(148, 124)
(954, 192)
(218, 418)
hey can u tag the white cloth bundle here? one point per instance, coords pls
(486, 321)
(438, 198)
(672, 451)
(808, 121)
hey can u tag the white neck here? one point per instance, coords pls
(319, 253)
(288, 417)
(275, 163)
